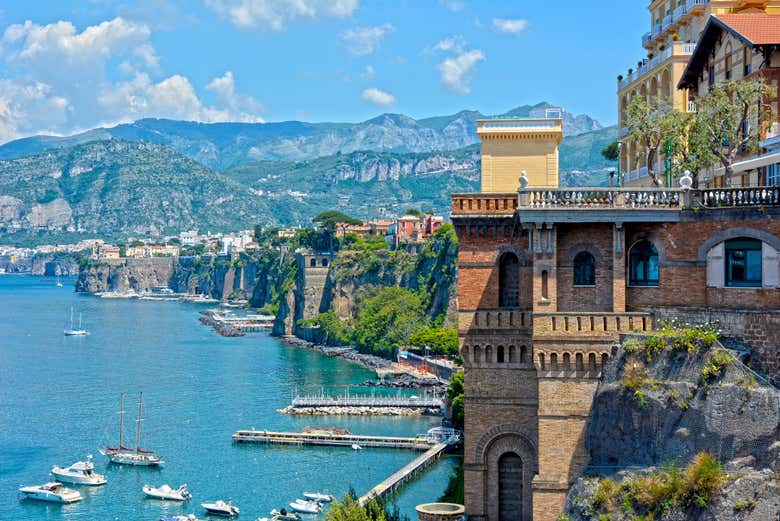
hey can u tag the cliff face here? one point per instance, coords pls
(132, 274)
(652, 411)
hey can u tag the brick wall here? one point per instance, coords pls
(596, 239)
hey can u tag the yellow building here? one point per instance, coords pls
(511, 146)
(675, 27)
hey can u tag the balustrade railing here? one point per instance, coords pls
(743, 196)
(602, 198)
(563, 323)
(484, 203)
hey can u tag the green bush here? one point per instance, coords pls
(440, 341)
(719, 361)
(387, 319)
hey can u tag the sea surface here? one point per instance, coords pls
(59, 401)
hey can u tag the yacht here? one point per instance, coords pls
(284, 515)
(166, 492)
(189, 517)
(53, 492)
(71, 330)
(221, 508)
(80, 473)
(307, 507)
(125, 455)
(318, 497)
(355, 446)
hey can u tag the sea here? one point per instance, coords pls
(59, 402)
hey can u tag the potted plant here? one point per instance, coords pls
(662, 47)
(650, 55)
(676, 37)
(630, 72)
(620, 77)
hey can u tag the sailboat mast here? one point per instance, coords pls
(138, 428)
(121, 414)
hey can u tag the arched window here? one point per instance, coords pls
(743, 263)
(584, 269)
(643, 264)
(313, 263)
(508, 281)
(510, 487)
(324, 263)
(500, 354)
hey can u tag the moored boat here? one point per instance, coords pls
(80, 473)
(71, 330)
(319, 497)
(168, 493)
(188, 517)
(306, 507)
(125, 455)
(52, 492)
(221, 508)
(284, 515)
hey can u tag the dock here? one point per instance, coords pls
(419, 443)
(244, 323)
(346, 400)
(405, 474)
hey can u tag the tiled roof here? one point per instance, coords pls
(758, 28)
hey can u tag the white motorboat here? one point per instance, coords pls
(221, 508)
(53, 492)
(319, 497)
(284, 515)
(307, 507)
(125, 455)
(188, 517)
(80, 473)
(71, 330)
(355, 446)
(166, 492)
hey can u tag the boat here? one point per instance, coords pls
(188, 517)
(166, 492)
(53, 492)
(80, 473)
(221, 508)
(75, 331)
(355, 446)
(307, 507)
(59, 282)
(125, 455)
(318, 497)
(284, 515)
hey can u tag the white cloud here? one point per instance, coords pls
(368, 73)
(378, 97)
(504, 25)
(456, 72)
(57, 80)
(453, 5)
(454, 43)
(274, 14)
(362, 41)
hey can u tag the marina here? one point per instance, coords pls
(325, 438)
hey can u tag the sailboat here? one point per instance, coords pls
(59, 282)
(73, 331)
(125, 455)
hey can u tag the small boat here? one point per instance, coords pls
(166, 492)
(307, 507)
(53, 492)
(284, 515)
(59, 282)
(189, 517)
(125, 455)
(221, 508)
(355, 446)
(318, 497)
(80, 473)
(74, 331)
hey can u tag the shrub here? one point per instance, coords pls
(704, 478)
(719, 361)
(606, 495)
(440, 341)
(750, 504)
(634, 377)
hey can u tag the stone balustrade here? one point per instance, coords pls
(495, 319)
(742, 196)
(484, 203)
(602, 198)
(590, 324)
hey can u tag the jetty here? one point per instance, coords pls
(404, 475)
(414, 402)
(246, 323)
(327, 438)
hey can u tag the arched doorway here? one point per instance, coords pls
(508, 281)
(510, 487)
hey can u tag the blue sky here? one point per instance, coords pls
(69, 66)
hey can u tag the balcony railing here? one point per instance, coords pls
(602, 198)
(730, 197)
(670, 19)
(687, 48)
(679, 12)
(666, 22)
(643, 171)
(484, 203)
(646, 38)
(691, 108)
(589, 324)
(692, 4)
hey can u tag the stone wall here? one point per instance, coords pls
(595, 239)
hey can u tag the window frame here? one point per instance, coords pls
(646, 281)
(732, 246)
(577, 267)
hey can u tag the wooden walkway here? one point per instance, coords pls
(366, 401)
(329, 439)
(391, 484)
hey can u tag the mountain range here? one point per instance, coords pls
(162, 176)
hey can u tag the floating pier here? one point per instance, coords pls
(331, 439)
(405, 474)
(367, 401)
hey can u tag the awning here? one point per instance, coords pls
(752, 163)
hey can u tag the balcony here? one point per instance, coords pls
(646, 38)
(691, 107)
(682, 50)
(669, 21)
(602, 198)
(666, 22)
(484, 203)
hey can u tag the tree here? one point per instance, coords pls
(387, 318)
(610, 152)
(731, 119)
(650, 124)
(413, 211)
(329, 219)
(455, 396)
(440, 341)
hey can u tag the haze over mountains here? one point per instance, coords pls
(114, 182)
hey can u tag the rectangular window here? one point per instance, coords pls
(711, 78)
(743, 263)
(746, 61)
(773, 175)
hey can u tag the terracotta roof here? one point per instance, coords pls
(757, 28)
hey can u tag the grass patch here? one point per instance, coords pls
(719, 361)
(690, 339)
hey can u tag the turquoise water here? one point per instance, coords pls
(59, 402)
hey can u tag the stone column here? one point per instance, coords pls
(545, 290)
(618, 269)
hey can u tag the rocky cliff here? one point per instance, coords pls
(59, 264)
(125, 275)
(656, 410)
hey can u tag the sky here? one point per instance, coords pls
(70, 66)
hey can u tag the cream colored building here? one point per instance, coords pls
(675, 27)
(511, 146)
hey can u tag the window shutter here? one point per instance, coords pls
(716, 267)
(770, 266)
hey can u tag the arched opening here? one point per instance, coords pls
(544, 284)
(643, 264)
(743, 263)
(324, 263)
(512, 355)
(313, 263)
(566, 361)
(666, 84)
(465, 354)
(500, 354)
(510, 487)
(477, 354)
(508, 281)
(554, 361)
(523, 354)
(489, 354)
(592, 362)
(579, 361)
(653, 88)
(542, 365)
(584, 269)
(604, 360)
